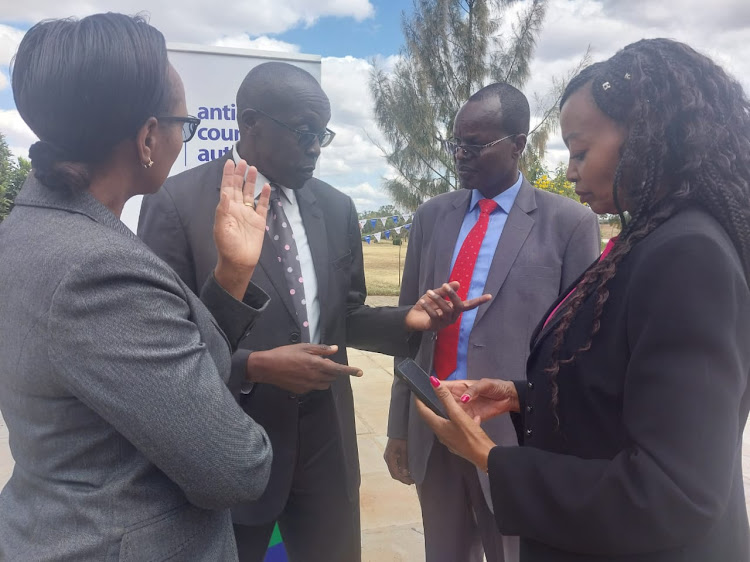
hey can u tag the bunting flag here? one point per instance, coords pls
(362, 224)
(373, 222)
(385, 234)
(395, 219)
(382, 220)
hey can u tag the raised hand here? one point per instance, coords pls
(239, 227)
(439, 308)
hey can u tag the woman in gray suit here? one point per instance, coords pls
(114, 377)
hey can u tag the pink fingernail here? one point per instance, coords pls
(434, 382)
(465, 398)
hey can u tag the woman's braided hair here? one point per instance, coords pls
(688, 141)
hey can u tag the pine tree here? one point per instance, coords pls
(452, 49)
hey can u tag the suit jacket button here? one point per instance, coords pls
(529, 433)
(294, 337)
(531, 385)
(529, 409)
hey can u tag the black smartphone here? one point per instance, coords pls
(419, 383)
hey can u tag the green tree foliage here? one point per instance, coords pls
(12, 175)
(556, 182)
(452, 49)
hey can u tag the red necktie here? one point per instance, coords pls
(446, 347)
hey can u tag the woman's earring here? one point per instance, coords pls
(150, 163)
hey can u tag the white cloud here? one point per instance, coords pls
(719, 30)
(17, 134)
(194, 21)
(4, 82)
(366, 197)
(263, 43)
(10, 37)
(353, 157)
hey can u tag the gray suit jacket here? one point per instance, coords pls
(113, 383)
(547, 242)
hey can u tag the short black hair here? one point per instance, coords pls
(84, 86)
(271, 83)
(515, 114)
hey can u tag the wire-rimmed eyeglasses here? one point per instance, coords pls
(305, 138)
(471, 150)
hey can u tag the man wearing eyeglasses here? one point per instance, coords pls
(497, 235)
(311, 267)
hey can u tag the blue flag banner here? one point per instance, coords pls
(373, 222)
(387, 234)
(395, 219)
(367, 239)
(407, 227)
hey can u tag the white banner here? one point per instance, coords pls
(212, 76)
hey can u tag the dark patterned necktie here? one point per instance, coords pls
(281, 234)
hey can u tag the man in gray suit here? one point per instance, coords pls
(500, 236)
(311, 267)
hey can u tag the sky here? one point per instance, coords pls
(351, 34)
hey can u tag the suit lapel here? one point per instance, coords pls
(517, 228)
(449, 227)
(317, 239)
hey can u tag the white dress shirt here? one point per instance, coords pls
(291, 208)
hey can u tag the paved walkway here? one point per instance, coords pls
(391, 522)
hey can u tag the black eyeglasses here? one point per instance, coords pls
(305, 138)
(189, 125)
(471, 150)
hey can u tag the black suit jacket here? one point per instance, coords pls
(177, 223)
(646, 463)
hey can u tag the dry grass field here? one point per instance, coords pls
(382, 267)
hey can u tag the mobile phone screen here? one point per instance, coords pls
(419, 383)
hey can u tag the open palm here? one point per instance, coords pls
(239, 225)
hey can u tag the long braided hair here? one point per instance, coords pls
(688, 142)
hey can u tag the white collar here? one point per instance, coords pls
(263, 180)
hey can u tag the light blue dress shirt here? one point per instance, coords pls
(482, 268)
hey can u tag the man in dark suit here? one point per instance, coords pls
(311, 267)
(504, 237)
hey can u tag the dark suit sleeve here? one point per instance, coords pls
(583, 247)
(161, 228)
(687, 325)
(381, 329)
(398, 415)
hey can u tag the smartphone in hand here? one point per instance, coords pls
(419, 383)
